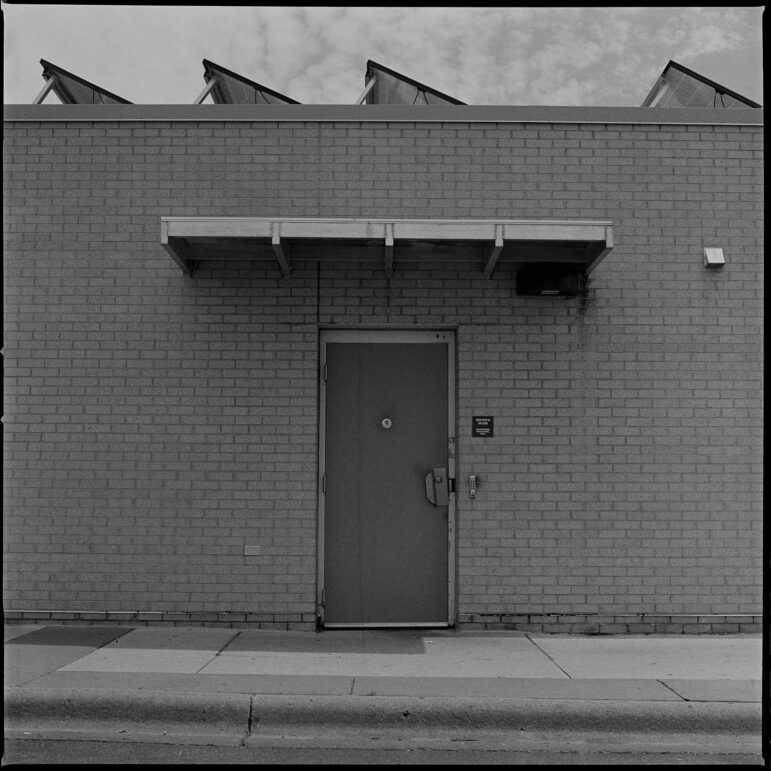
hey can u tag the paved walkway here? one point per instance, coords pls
(226, 679)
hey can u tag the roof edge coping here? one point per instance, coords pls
(381, 113)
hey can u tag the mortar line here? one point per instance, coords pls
(548, 656)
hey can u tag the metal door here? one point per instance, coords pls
(386, 470)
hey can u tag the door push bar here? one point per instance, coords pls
(438, 487)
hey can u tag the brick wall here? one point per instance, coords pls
(155, 423)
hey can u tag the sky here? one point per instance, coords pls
(604, 56)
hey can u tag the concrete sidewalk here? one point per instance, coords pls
(230, 682)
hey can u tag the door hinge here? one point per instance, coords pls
(451, 483)
(324, 372)
(324, 484)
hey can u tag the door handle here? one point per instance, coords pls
(437, 487)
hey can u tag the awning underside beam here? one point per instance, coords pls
(488, 243)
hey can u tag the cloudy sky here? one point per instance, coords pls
(487, 55)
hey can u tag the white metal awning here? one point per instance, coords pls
(488, 244)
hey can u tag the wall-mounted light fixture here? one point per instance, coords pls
(713, 257)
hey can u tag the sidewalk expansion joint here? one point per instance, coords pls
(230, 641)
(217, 653)
(564, 671)
(249, 720)
(108, 642)
(669, 687)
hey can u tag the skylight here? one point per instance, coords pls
(227, 87)
(678, 86)
(73, 90)
(384, 86)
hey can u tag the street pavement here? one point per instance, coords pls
(240, 686)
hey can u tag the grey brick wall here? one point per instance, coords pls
(155, 423)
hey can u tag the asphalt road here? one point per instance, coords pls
(37, 751)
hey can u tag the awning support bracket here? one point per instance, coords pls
(283, 263)
(495, 254)
(604, 251)
(389, 249)
(178, 252)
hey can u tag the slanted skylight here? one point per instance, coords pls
(73, 90)
(384, 86)
(678, 86)
(227, 87)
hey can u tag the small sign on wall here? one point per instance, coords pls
(483, 426)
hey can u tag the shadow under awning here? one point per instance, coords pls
(486, 244)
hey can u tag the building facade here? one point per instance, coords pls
(284, 365)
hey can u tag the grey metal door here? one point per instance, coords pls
(387, 493)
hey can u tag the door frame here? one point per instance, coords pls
(349, 335)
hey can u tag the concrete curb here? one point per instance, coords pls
(493, 713)
(56, 708)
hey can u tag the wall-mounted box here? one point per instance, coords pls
(713, 257)
(550, 280)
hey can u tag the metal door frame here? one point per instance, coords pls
(442, 335)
